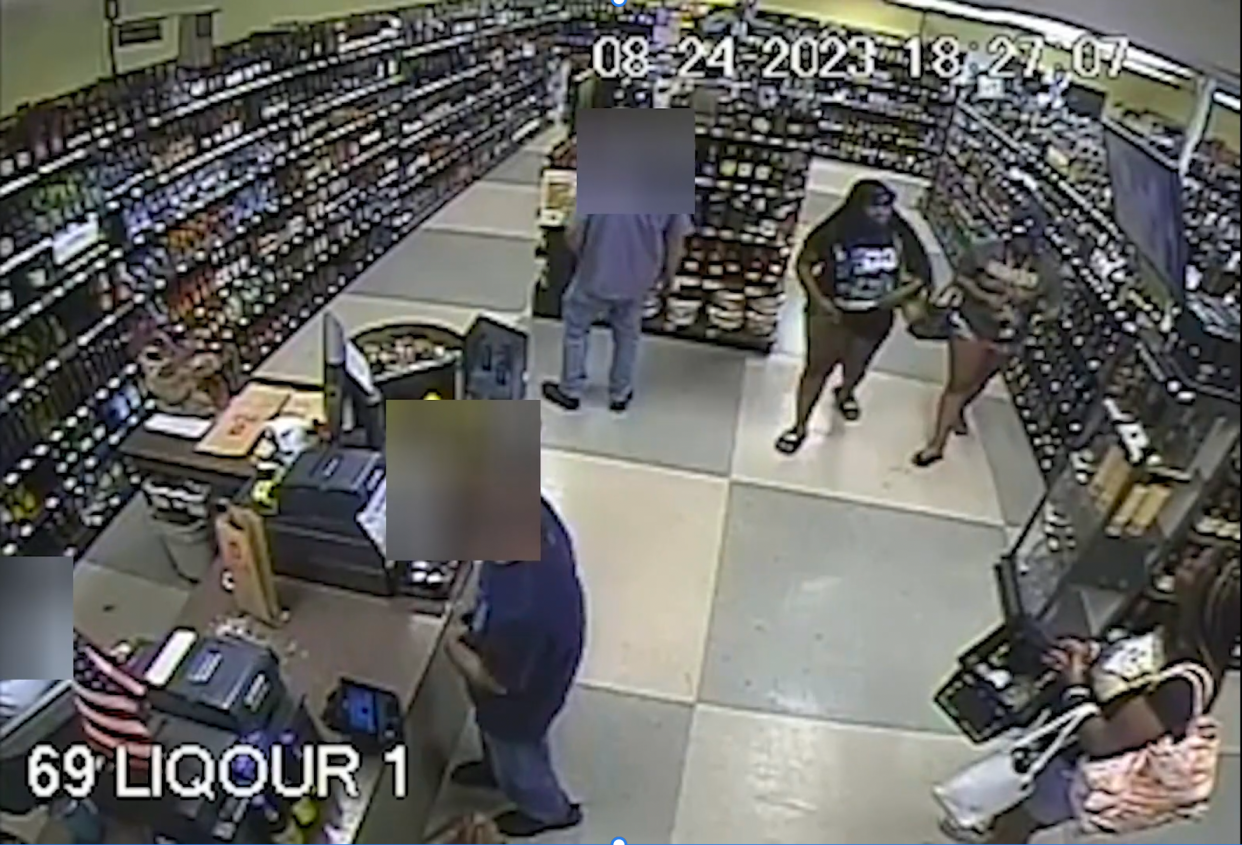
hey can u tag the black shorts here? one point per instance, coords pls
(824, 337)
(974, 321)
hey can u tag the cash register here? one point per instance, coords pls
(330, 519)
(315, 533)
(216, 692)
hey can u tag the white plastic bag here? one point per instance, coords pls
(987, 788)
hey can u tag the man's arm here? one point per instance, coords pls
(675, 246)
(469, 663)
(966, 278)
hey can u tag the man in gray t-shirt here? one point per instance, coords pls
(621, 258)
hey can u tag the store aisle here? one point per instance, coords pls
(765, 633)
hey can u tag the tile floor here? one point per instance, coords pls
(765, 633)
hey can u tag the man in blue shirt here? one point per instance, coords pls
(519, 652)
(620, 259)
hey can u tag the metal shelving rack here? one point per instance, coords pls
(396, 121)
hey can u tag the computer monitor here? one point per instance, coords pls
(1147, 205)
(354, 404)
(1084, 100)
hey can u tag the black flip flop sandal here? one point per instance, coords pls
(961, 428)
(924, 458)
(790, 441)
(848, 407)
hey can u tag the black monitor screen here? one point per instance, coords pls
(1147, 204)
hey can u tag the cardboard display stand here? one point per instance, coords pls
(243, 545)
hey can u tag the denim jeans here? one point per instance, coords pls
(579, 310)
(523, 770)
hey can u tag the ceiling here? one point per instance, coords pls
(1202, 33)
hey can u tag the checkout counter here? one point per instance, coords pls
(345, 612)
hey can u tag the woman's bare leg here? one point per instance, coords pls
(993, 368)
(823, 357)
(811, 384)
(969, 361)
(858, 355)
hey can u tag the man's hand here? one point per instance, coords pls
(468, 662)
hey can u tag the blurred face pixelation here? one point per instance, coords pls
(636, 161)
(36, 618)
(463, 480)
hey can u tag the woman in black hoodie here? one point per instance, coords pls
(857, 268)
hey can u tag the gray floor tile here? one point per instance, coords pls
(523, 168)
(620, 755)
(130, 544)
(684, 413)
(1019, 483)
(455, 269)
(904, 355)
(109, 606)
(499, 209)
(844, 611)
(757, 777)
(1228, 709)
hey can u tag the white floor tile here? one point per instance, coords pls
(754, 777)
(491, 208)
(648, 542)
(300, 358)
(868, 461)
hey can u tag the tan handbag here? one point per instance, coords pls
(1168, 780)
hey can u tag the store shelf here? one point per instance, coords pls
(408, 142)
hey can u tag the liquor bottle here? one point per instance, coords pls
(22, 504)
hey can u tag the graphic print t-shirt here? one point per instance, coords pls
(863, 271)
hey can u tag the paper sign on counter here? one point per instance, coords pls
(239, 427)
(176, 425)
